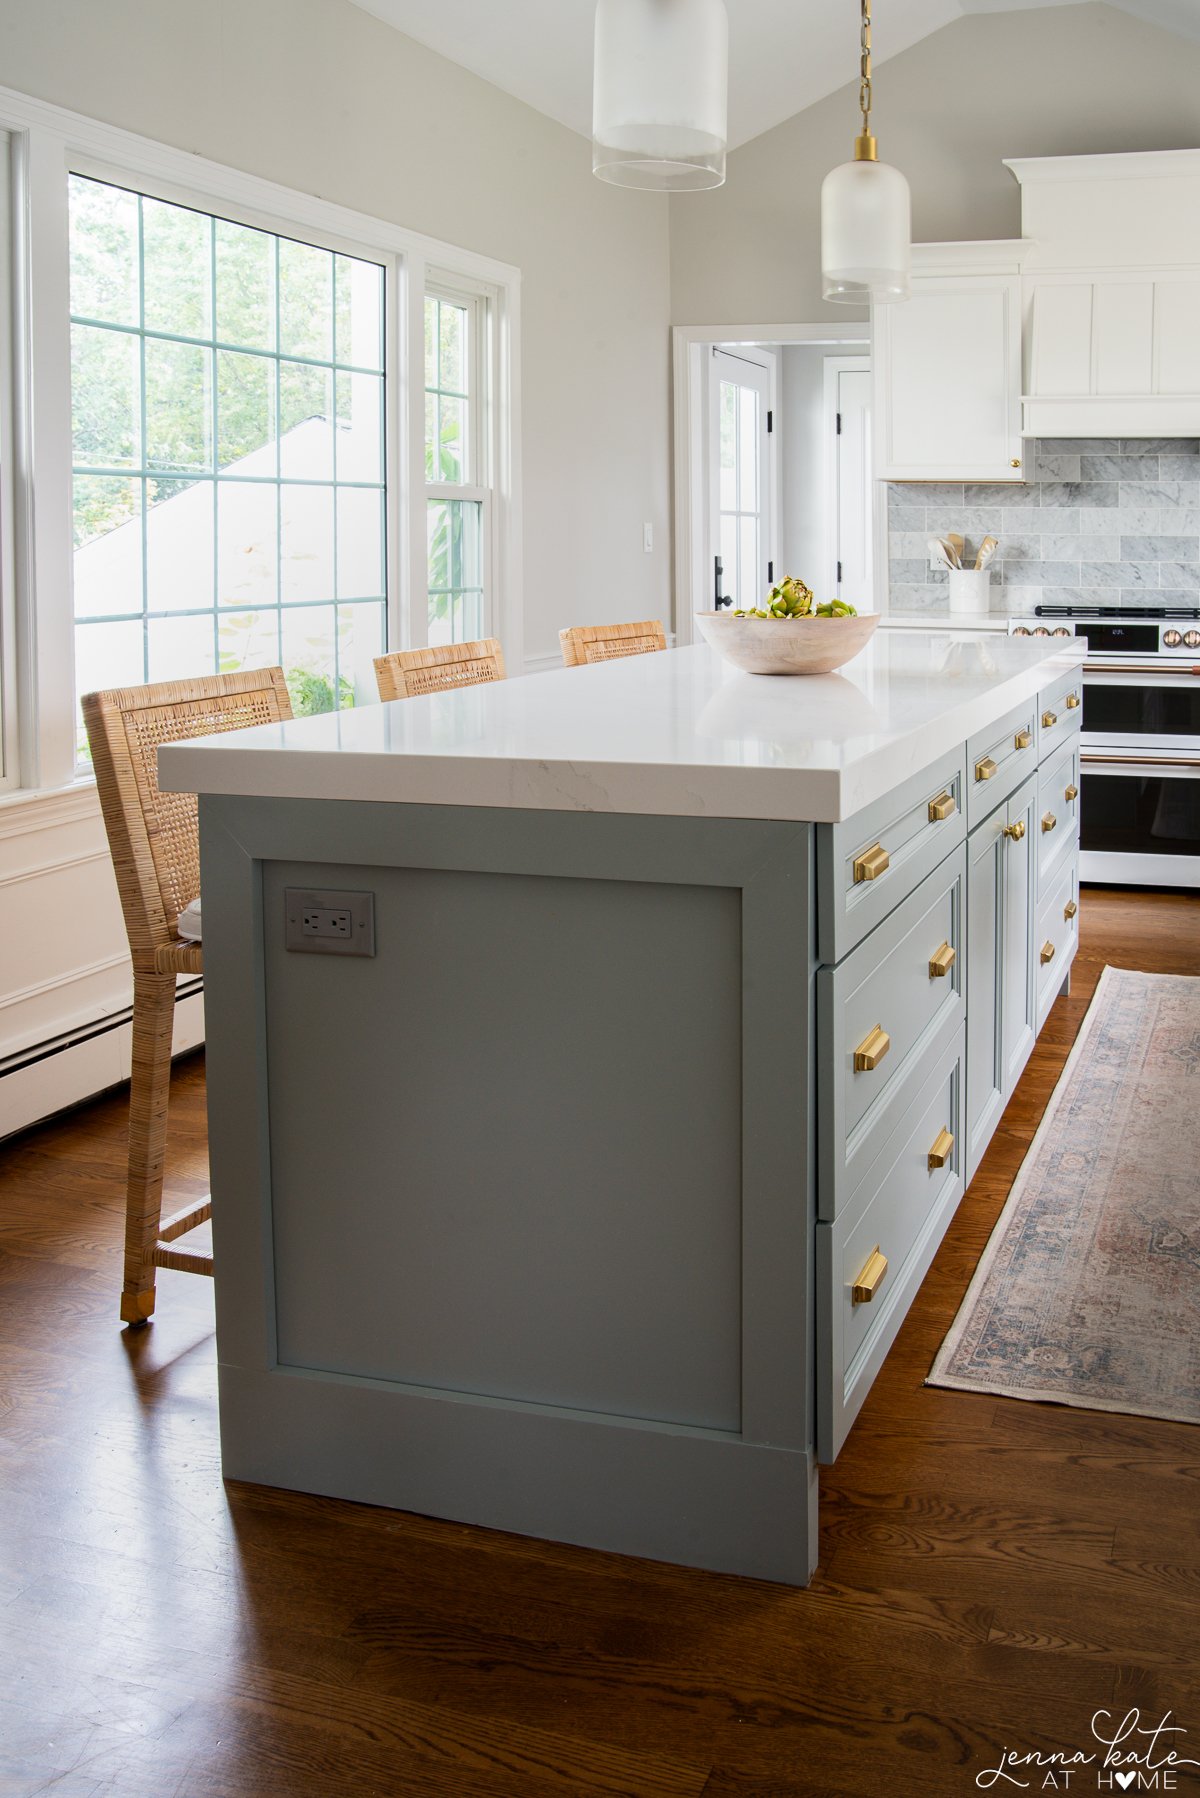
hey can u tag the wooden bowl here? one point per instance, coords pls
(787, 645)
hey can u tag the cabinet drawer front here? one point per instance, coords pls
(1059, 713)
(1057, 932)
(870, 862)
(910, 1194)
(881, 1014)
(999, 759)
(1057, 812)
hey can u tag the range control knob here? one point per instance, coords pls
(1192, 639)
(1062, 631)
(1172, 639)
(1021, 630)
(1041, 631)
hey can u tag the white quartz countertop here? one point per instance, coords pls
(677, 734)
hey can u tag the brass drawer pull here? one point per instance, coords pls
(871, 863)
(941, 962)
(985, 769)
(1015, 831)
(943, 806)
(1023, 739)
(868, 1282)
(1049, 719)
(942, 1149)
(1069, 910)
(1049, 822)
(1047, 953)
(1071, 793)
(872, 1049)
(1072, 702)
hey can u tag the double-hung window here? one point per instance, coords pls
(228, 450)
(458, 465)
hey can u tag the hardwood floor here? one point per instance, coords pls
(992, 1572)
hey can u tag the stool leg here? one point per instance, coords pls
(149, 1089)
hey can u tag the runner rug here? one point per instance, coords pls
(1088, 1292)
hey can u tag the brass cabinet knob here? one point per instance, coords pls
(942, 1149)
(1015, 831)
(941, 962)
(1071, 793)
(872, 1049)
(1072, 702)
(868, 1282)
(1023, 739)
(1049, 719)
(1069, 910)
(1047, 953)
(1049, 821)
(871, 863)
(1015, 463)
(944, 806)
(985, 769)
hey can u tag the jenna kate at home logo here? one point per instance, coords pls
(1129, 1756)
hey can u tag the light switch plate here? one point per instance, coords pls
(326, 921)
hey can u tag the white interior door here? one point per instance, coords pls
(850, 570)
(740, 406)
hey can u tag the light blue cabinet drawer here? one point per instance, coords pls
(1060, 712)
(1056, 936)
(880, 1015)
(870, 862)
(1057, 810)
(912, 1189)
(999, 759)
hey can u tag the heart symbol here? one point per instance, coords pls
(1125, 1780)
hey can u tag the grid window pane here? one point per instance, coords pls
(245, 300)
(209, 531)
(447, 391)
(104, 252)
(455, 542)
(360, 638)
(106, 398)
(177, 269)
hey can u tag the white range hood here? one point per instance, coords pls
(1111, 294)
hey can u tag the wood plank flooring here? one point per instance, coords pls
(991, 1573)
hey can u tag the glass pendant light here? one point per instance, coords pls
(660, 93)
(866, 226)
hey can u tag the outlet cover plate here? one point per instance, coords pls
(326, 921)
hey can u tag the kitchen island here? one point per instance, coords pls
(580, 1179)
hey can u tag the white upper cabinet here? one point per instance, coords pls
(1111, 281)
(947, 368)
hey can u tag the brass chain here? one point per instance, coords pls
(864, 85)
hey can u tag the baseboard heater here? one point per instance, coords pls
(80, 1064)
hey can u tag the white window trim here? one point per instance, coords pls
(47, 142)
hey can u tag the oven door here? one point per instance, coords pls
(1152, 707)
(1139, 818)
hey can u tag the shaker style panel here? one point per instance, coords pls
(881, 1014)
(870, 1263)
(999, 759)
(1056, 936)
(1059, 712)
(867, 864)
(1057, 812)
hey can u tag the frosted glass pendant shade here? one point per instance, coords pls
(866, 232)
(660, 93)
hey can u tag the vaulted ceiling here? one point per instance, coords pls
(784, 54)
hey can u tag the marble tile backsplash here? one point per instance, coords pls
(1100, 521)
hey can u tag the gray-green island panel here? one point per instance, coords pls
(540, 1216)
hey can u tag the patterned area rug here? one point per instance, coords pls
(1088, 1292)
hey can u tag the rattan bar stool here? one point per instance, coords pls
(155, 848)
(584, 643)
(406, 672)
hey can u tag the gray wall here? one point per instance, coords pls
(1102, 522)
(1065, 81)
(322, 96)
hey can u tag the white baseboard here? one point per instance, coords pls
(59, 1075)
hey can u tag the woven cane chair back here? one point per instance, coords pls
(586, 643)
(405, 673)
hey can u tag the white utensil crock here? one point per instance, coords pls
(969, 589)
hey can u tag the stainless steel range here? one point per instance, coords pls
(1140, 748)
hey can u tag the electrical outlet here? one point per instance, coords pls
(323, 922)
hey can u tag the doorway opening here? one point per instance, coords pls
(773, 467)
